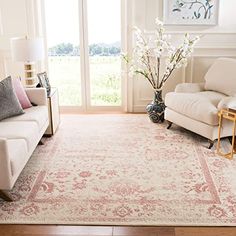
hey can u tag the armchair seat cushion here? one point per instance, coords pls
(201, 106)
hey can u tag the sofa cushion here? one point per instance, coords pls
(200, 106)
(27, 130)
(18, 154)
(221, 76)
(38, 114)
(9, 103)
(21, 94)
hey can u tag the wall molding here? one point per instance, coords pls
(194, 32)
(1, 24)
(207, 41)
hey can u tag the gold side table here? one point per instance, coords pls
(53, 111)
(228, 114)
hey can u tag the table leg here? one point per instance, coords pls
(219, 131)
(233, 139)
(234, 146)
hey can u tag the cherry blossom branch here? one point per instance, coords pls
(149, 65)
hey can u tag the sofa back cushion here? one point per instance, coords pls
(221, 76)
(9, 103)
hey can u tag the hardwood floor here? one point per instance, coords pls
(53, 230)
(205, 231)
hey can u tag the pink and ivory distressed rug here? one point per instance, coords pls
(123, 170)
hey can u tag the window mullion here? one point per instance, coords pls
(84, 53)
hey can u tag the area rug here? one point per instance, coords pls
(123, 170)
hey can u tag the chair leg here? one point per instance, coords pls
(5, 196)
(211, 143)
(169, 124)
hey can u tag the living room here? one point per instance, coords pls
(117, 117)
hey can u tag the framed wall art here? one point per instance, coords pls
(44, 82)
(191, 12)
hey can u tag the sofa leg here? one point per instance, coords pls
(169, 124)
(5, 196)
(211, 143)
(41, 142)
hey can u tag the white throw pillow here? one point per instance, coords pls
(221, 76)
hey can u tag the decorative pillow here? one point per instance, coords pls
(221, 76)
(21, 94)
(9, 103)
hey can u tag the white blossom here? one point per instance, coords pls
(158, 22)
(137, 30)
(148, 53)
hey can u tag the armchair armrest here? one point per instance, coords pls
(226, 103)
(37, 95)
(5, 169)
(189, 88)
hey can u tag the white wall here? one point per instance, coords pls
(18, 18)
(21, 18)
(216, 41)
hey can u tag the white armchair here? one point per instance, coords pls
(195, 106)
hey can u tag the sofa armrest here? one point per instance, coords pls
(5, 168)
(189, 88)
(226, 103)
(37, 95)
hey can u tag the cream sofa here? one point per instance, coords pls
(19, 137)
(195, 106)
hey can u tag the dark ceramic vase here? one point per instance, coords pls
(156, 108)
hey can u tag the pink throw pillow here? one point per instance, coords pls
(21, 94)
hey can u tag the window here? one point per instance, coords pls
(84, 44)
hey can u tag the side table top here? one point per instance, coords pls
(229, 114)
(53, 90)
